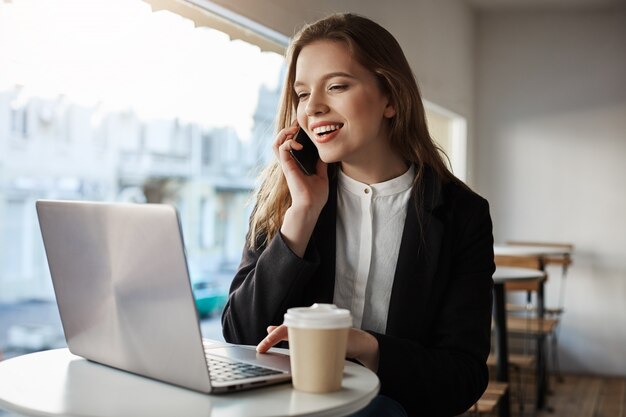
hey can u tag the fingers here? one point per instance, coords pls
(284, 135)
(275, 334)
(288, 145)
(284, 141)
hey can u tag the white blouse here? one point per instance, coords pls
(370, 221)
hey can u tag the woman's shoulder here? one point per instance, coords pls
(458, 190)
(444, 192)
(457, 195)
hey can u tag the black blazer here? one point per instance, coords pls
(432, 357)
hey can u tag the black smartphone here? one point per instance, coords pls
(308, 156)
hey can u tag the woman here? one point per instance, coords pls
(382, 228)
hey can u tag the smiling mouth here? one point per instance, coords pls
(326, 130)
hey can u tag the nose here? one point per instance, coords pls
(315, 105)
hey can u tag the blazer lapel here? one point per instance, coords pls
(324, 241)
(417, 264)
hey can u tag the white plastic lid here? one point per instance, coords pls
(318, 316)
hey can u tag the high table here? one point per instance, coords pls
(502, 275)
(57, 383)
(543, 254)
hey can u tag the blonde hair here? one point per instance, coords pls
(377, 50)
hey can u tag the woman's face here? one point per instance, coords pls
(340, 104)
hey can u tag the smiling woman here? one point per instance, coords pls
(108, 100)
(382, 228)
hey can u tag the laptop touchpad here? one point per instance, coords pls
(250, 355)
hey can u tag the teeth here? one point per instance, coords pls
(325, 129)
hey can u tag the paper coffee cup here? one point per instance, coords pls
(318, 338)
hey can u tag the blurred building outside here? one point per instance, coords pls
(113, 101)
(55, 149)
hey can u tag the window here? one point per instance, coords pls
(13, 239)
(135, 105)
(449, 131)
(19, 120)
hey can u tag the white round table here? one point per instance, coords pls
(530, 250)
(510, 273)
(57, 383)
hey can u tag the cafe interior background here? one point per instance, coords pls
(527, 96)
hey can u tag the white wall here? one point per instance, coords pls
(551, 159)
(437, 36)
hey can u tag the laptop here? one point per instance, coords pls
(124, 294)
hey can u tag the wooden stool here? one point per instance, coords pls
(488, 402)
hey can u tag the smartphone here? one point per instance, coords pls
(308, 156)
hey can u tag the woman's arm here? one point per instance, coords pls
(309, 193)
(271, 279)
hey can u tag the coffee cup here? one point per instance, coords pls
(318, 338)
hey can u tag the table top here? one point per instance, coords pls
(56, 382)
(510, 273)
(527, 250)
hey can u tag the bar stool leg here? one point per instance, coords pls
(502, 372)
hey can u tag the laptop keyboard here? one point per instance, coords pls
(224, 371)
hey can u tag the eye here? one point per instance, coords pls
(302, 95)
(337, 87)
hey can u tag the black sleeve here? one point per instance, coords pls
(268, 281)
(448, 375)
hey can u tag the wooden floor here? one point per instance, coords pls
(574, 396)
(588, 396)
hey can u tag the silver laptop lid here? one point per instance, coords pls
(123, 290)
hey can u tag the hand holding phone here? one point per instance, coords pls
(308, 156)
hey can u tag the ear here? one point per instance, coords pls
(389, 111)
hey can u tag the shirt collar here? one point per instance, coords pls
(390, 187)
